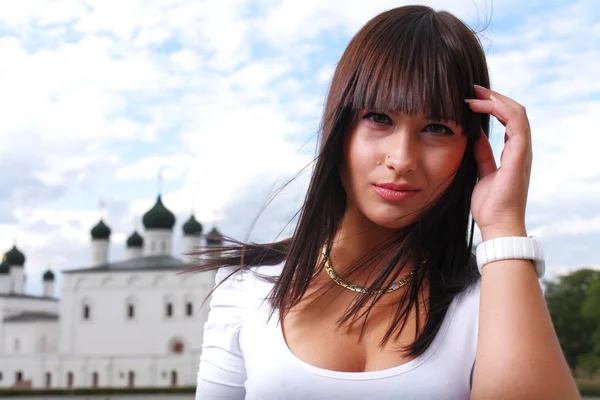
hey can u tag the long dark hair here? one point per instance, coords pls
(411, 60)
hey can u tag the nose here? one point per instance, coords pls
(402, 154)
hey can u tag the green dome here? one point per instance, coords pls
(159, 217)
(135, 240)
(214, 237)
(14, 257)
(4, 268)
(100, 231)
(48, 276)
(192, 227)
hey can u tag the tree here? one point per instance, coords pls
(591, 312)
(575, 330)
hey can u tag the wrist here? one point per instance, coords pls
(504, 231)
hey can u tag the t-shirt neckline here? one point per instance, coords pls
(384, 373)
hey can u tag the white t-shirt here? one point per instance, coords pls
(245, 356)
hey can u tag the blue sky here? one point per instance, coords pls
(224, 97)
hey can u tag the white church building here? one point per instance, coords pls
(132, 323)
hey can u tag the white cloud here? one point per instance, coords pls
(223, 95)
(572, 226)
(171, 168)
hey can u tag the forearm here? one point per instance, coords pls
(518, 354)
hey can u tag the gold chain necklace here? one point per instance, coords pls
(359, 289)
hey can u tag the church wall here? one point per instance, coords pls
(47, 337)
(112, 371)
(15, 305)
(5, 282)
(108, 328)
(30, 337)
(158, 242)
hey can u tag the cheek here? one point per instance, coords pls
(444, 165)
(359, 159)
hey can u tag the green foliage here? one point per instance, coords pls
(575, 315)
(589, 389)
(591, 312)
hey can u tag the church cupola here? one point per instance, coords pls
(158, 223)
(159, 217)
(100, 243)
(214, 237)
(48, 283)
(192, 239)
(135, 245)
(192, 227)
(5, 281)
(135, 240)
(15, 260)
(14, 257)
(100, 231)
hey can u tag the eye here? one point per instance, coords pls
(439, 129)
(377, 118)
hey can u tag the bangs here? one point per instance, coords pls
(419, 66)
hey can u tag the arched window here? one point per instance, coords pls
(173, 378)
(163, 247)
(130, 308)
(169, 302)
(189, 301)
(70, 379)
(48, 380)
(95, 379)
(86, 309)
(131, 379)
(17, 344)
(18, 376)
(153, 247)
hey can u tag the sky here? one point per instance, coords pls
(222, 98)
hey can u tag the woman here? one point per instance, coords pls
(377, 294)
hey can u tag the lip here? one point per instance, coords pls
(403, 187)
(395, 192)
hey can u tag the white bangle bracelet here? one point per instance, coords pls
(512, 248)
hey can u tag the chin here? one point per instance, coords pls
(390, 222)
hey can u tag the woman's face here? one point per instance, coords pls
(397, 164)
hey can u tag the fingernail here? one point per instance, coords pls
(479, 87)
(493, 98)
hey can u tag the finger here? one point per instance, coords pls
(485, 93)
(484, 156)
(505, 115)
(487, 107)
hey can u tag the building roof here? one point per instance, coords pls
(100, 231)
(214, 237)
(48, 276)
(32, 316)
(192, 227)
(150, 263)
(14, 257)
(25, 296)
(135, 240)
(4, 268)
(158, 217)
